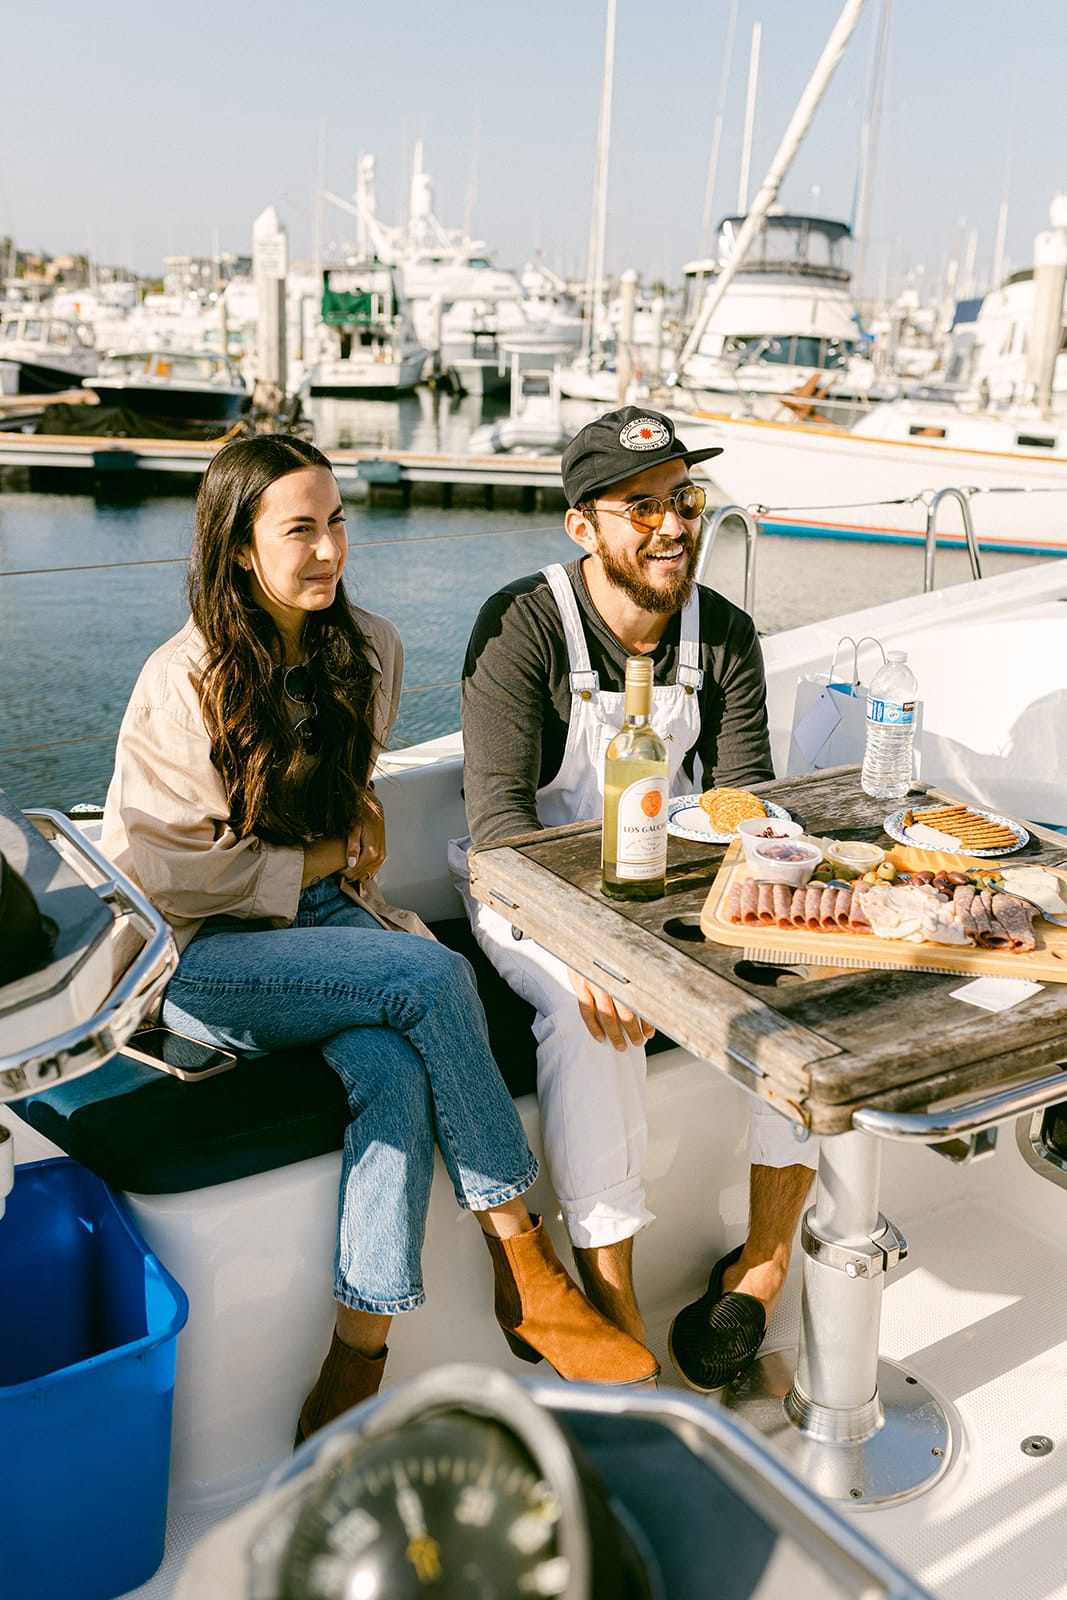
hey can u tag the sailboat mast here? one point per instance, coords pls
(750, 117)
(862, 219)
(716, 137)
(598, 224)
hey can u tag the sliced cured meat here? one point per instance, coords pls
(796, 907)
(732, 908)
(828, 910)
(1017, 919)
(783, 902)
(749, 901)
(765, 902)
(858, 920)
(813, 905)
(961, 903)
(979, 909)
(843, 907)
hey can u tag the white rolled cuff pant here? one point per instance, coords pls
(592, 1096)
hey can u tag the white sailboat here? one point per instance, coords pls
(877, 478)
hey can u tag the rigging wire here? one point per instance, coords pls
(354, 546)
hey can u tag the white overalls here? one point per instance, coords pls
(591, 1095)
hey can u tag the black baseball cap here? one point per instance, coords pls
(619, 444)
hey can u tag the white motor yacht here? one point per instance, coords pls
(195, 385)
(787, 321)
(367, 341)
(978, 1309)
(463, 303)
(51, 353)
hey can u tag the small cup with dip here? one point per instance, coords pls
(791, 860)
(755, 829)
(851, 858)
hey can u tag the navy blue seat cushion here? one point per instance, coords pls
(143, 1130)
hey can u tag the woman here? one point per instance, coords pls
(242, 803)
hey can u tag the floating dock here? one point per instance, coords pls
(369, 471)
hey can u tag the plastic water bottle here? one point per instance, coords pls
(891, 699)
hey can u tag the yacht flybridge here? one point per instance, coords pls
(233, 1192)
(789, 316)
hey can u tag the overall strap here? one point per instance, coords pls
(583, 680)
(690, 672)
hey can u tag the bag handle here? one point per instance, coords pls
(857, 645)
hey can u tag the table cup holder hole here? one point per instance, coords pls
(687, 929)
(766, 974)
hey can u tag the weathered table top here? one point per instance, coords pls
(817, 1046)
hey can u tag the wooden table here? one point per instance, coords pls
(823, 1048)
(815, 1046)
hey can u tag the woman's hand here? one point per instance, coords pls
(608, 1019)
(322, 858)
(366, 843)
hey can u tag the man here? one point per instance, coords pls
(542, 697)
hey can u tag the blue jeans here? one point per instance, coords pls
(399, 1020)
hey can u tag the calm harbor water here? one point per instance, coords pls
(88, 589)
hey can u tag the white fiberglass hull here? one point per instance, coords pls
(382, 378)
(823, 481)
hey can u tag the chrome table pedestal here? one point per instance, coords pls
(853, 1427)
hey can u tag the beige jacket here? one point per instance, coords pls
(166, 820)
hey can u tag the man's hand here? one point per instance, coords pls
(366, 843)
(608, 1019)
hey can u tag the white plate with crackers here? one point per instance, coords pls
(688, 820)
(977, 832)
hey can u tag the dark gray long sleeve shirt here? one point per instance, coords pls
(517, 698)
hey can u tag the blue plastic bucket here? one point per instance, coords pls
(89, 1324)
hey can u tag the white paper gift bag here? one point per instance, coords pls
(830, 711)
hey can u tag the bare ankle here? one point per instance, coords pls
(606, 1272)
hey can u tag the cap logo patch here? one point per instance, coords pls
(645, 433)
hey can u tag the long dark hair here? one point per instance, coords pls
(274, 790)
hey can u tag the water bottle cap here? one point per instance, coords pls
(896, 655)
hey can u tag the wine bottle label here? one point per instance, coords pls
(896, 713)
(641, 846)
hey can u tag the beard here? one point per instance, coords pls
(628, 575)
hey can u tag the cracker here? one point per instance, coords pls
(725, 808)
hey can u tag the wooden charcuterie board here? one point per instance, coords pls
(812, 947)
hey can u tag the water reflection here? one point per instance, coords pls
(425, 422)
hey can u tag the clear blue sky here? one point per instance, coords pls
(142, 129)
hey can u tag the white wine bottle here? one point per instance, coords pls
(634, 850)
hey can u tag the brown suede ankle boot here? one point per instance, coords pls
(347, 1377)
(543, 1313)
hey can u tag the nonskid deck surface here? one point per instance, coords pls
(979, 1314)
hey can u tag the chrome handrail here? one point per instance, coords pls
(94, 1041)
(961, 496)
(925, 1127)
(751, 535)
